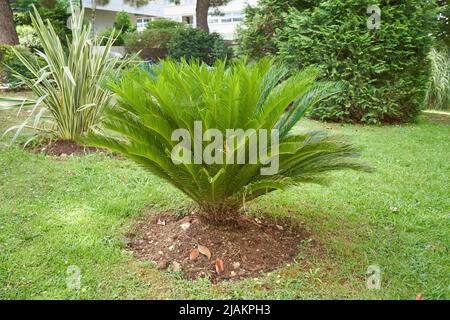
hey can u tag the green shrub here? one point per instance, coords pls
(152, 42)
(438, 94)
(193, 43)
(385, 71)
(55, 11)
(122, 27)
(28, 37)
(256, 35)
(151, 106)
(165, 24)
(444, 22)
(123, 22)
(9, 64)
(109, 33)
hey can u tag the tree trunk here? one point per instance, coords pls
(8, 34)
(201, 14)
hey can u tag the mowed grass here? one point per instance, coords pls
(55, 213)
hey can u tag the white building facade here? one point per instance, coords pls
(230, 15)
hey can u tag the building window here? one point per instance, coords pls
(188, 19)
(142, 23)
(226, 18)
(179, 2)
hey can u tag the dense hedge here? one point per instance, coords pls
(256, 36)
(444, 22)
(152, 42)
(167, 38)
(192, 43)
(385, 71)
(165, 24)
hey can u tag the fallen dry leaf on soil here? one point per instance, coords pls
(219, 266)
(205, 251)
(194, 254)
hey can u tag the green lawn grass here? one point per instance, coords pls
(75, 211)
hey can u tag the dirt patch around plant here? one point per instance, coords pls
(437, 116)
(63, 148)
(196, 249)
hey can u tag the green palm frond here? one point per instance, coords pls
(150, 106)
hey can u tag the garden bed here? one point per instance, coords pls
(62, 148)
(190, 246)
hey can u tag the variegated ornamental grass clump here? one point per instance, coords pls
(152, 105)
(69, 84)
(438, 94)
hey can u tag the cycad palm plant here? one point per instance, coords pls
(152, 105)
(69, 85)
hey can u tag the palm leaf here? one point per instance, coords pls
(151, 105)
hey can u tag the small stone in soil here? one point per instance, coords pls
(236, 265)
(185, 226)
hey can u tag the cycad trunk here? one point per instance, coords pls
(219, 213)
(8, 34)
(201, 14)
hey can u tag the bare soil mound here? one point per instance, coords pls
(64, 148)
(197, 249)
